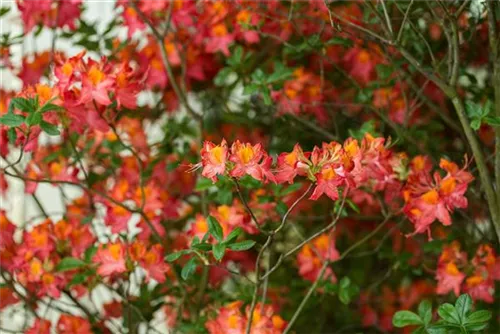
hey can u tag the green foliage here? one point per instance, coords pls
(456, 318)
(215, 229)
(70, 263)
(481, 115)
(35, 114)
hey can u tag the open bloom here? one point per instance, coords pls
(151, 260)
(428, 199)
(111, 259)
(214, 159)
(70, 324)
(290, 165)
(97, 83)
(313, 255)
(252, 160)
(448, 274)
(41, 326)
(231, 320)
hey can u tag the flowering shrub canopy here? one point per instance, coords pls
(253, 167)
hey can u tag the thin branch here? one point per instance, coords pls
(247, 207)
(268, 242)
(166, 63)
(400, 32)
(387, 19)
(306, 298)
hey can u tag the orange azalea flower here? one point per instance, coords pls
(428, 199)
(33, 70)
(7, 297)
(110, 259)
(41, 326)
(252, 160)
(312, 256)
(70, 324)
(230, 320)
(214, 159)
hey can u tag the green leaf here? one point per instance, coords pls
(233, 235)
(266, 96)
(438, 329)
(195, 241)
(188, 268)
(434, 247)
(475, 110)
(221, 77)
(50, 129)
(478, 317)
(215, 229)
(12, 120)
(12, 135)
(89, 253)
(242, 245)
(291, 188)
(50, 107)
(281, 73)
(4, 10)
(203, 184)
(202, 246)
(23, 104)
(339, 41)
(475, 124)
(425, 311)
(448, 313)
(492, 120)
(353, 206)
(281, 208)
(175, 256)
(420, 330)
(78, 279)
(406, 318)
(258, 76)
(236, 56)
(347, 290)
(249, 182)
(476, 327)
(384, 71)
(34, 119)
(70, 263)
(218, 251)
(463, 306)
(224, 196)
(250, 89)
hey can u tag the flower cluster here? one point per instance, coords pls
(116, 258)
(329, 166)
(230, 319)
(429, 198)
(34, 261)
(49, 13)
(311, 257)
(362, 168)
(476, 277)
(88, 88)
(67, 324)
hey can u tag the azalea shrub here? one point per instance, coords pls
(252, 167)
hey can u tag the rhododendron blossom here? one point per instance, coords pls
(477, 277)
(231, 319)
(313, 256)
(110, 259)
